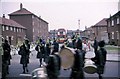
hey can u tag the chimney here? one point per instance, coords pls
(21, 6)
(3, 15)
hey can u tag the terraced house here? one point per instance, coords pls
(12, 31)
(114, 29)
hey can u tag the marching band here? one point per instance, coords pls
(55, 58)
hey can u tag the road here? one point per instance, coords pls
(15, 69)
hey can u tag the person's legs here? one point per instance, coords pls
(23, 68)
(40, 60)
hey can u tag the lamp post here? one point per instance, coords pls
(1, 51)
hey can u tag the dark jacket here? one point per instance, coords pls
(56, 47)
(101, 57)
(40, 50)
(24, 52)
(6, 52)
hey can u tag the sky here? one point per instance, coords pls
(64, 13)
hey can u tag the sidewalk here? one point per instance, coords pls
(113, 57)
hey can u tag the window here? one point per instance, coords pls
(3, 28)
(33, 30)
(11, 28)
(108, 23)
(118, 21)
(112, 35)
(12, 38)
(7, 37)
(17, 29)
(112, 22)
(14, 29)
(117, 34)
(7, 28)
(33, 23)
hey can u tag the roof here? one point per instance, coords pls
(103, 22)
(21, 11)
(9, 22)
(114, 16)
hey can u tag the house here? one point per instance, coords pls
(100, 30)
(113, 28)
(36, 26)
(12, 31)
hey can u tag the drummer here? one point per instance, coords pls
(77, 68)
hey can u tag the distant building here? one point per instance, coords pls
(100, 30)
(70, 33)
(36, 26)
(53, 34)
(88, 33)
(113, 24)
(12, 31)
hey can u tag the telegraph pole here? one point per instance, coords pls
(79, 26)
(1, 51)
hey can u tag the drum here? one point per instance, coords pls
(89, 67)
(67, 57)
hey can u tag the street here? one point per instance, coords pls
(15, 69)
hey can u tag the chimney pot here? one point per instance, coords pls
(3, 15)
(21, 6)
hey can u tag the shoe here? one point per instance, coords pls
(23, 72)
(7, 72)
(27, 70)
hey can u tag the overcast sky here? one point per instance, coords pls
(64, 13)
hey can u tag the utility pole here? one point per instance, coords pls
(1, 52)
(79, 26)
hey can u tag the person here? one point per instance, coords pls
(101, 58)
(77, 68)
(40, 48)
(95, 46)
(48, 50)
(54, 66)
(74, 41)
(55, 46)
(24, 52)
(6, 55)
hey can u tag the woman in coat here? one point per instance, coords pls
(24, 52)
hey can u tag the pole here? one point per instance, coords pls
(79, 26)
(1, 51)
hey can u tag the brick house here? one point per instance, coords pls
(36, 26)
(88, 32)
(12, 31)
(100, 30)
(114, 29)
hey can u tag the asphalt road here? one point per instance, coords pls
(111, 69)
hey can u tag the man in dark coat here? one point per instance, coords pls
(53, 66)
(40, 48)
(95, 45)
(48, 50)
(77, 68)
(24, 52)
(101, 59)
(6, 55)
(74, 41)
(55, 46)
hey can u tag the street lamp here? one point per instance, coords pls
(1, 51)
